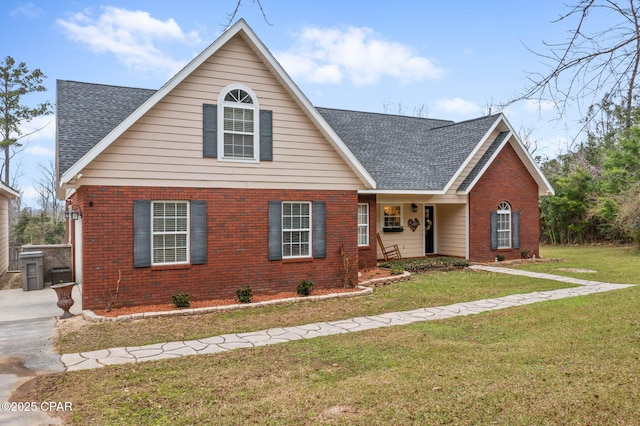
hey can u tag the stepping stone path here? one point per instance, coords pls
(227, 342)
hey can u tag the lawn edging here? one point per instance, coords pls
(91, 316)
(379, 282)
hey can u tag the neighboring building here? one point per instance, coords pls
(6, 194)
(228, 176)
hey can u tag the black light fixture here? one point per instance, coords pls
(73, 214)
(414, 207)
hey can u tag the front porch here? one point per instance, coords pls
(422, 228)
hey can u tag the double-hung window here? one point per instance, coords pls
(296, 229)
(170, 232)
(504, 225)
(239, 125)
(363, 224)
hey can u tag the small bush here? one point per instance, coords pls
(426, 264)
(396, 269)
(525, 254)
(305, 288)
(182, 300)
(500, 258)
(245, 295)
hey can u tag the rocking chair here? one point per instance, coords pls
(391, 252)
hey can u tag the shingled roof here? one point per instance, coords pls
(408, 153)
(483, 161)
(87, 112)
(401, 153)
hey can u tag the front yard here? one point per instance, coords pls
(569, 361)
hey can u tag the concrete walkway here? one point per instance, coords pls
(226, 342)
(27, 322)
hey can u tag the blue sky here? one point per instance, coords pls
(452, 59)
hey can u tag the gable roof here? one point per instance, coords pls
(389, 153)
(409, 153)
(239, 28)
(484, 161)
(86, 113)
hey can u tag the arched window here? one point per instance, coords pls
(238, 124)
(504, 225)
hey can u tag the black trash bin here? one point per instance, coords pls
(60, 275)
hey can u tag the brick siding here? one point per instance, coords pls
(507, 179)
(237, 245)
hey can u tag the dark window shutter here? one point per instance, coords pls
(266, 135)
(198, 232)
(319, 229)
(515, 223)
(141, 233)
(275, 230)
(494, 230)
(210, 130)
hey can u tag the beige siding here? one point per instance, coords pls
(164, 148)
(411, 243)
(4, 234)
(451, 224)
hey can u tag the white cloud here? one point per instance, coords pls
(42, 127)
(29, 192)
(458, 106)
(39, 150)
(358, 55)
(28, 10)
(535, 105)
(553, 145)
(132, 36)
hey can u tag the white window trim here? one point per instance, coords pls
(384, 215)
(256, 123)
(188, 233)
(310, 230)
(363, 225)
(504, 212)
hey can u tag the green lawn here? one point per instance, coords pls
(612, 263)
(571, 362)
(424, 290)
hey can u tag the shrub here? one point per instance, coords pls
(181, 300)
(500, 258)
(426, 264)
(525, 254)
(245, 295)
(305, 288)
(396, 269)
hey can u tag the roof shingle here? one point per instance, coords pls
(400, 152)
(408, 153)
(87, 112)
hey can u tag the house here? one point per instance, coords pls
(228, 176)
(6, 193)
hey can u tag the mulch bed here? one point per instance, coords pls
(364, 275)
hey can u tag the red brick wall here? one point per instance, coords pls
(507, 179)
(237, 245)
(367, 256)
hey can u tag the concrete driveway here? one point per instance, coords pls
(27, 321)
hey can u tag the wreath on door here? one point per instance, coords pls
(428, 224)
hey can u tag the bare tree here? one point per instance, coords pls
(598, 62)
(232, 15)
(399, 109)
(46, 190)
